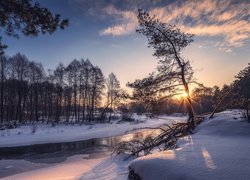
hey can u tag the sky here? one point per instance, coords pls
(104, 32)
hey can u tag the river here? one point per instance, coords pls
(22, 159)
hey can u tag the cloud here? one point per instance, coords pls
(210, 18)
(214, 18)
(126, 22)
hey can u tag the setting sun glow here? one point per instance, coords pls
(184, 94)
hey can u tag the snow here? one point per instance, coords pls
(66, 133)
(109, 168)
(218, 150)
(72, 168)
(78, 167)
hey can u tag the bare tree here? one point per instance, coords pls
(97, 86)
(86, 71)
(59, 74)
(20, 63)
(28, 94)
(113, 88)
(73, 77)
(36, 75)
(3, 64)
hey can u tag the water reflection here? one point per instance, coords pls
(40, 151)
(139, 135)
(45, 154)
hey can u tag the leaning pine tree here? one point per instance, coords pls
(173, 72)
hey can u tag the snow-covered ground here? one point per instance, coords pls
(219, 149)
(66, 133)
(82, 167)
(72, 168)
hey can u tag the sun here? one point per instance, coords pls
(184, 95)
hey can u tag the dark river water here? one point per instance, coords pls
(43, 155)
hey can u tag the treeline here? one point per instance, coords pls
(72, 93)
(234, 95)
(79, 93)
(204, 99)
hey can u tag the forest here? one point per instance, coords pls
(79, 93)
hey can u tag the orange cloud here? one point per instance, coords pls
(210, 18)
(202, 18)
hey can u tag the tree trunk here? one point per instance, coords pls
(189, 102)
(2, 88)
(185, 84)
(247, 111)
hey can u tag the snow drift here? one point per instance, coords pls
(218, 150)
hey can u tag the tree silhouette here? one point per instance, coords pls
(243, 88)
(172, 71)
(69, 94)
(113, 88)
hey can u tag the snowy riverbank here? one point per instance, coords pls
(218, 150)
(66, 133)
